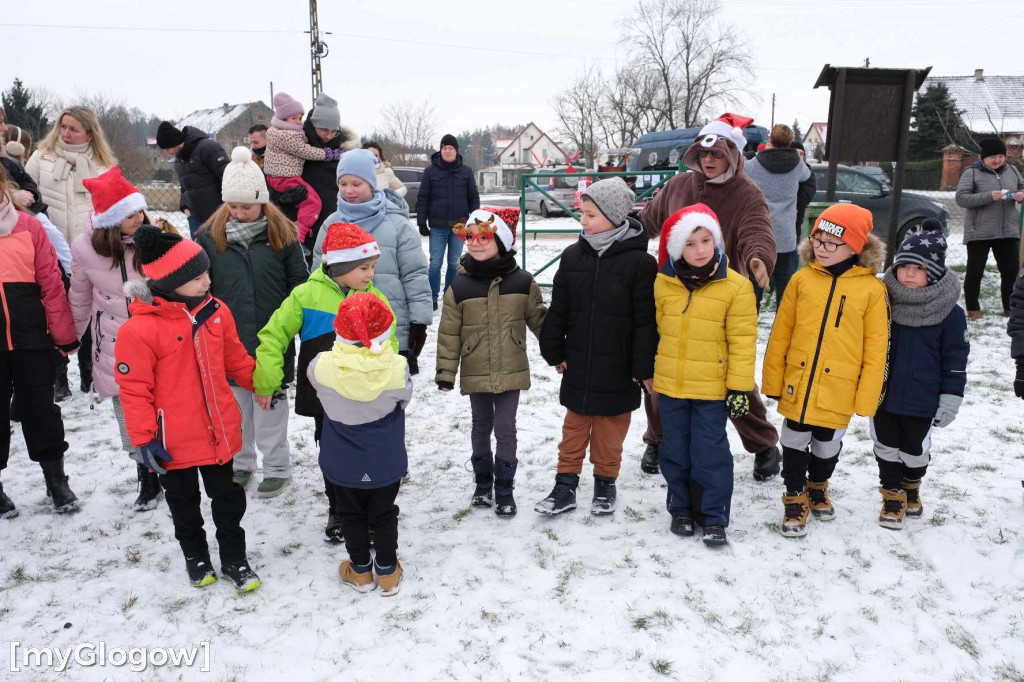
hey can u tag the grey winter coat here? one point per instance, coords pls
(401, 272)
(779, 174)
(987, 218)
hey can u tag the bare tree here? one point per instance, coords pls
(579, 111)
(627, 111)
(409, 128)
(700, 62)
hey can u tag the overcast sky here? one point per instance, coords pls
(471, 58)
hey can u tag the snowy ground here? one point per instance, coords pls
(536, 598)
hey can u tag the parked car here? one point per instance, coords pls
(875, 172)
(857, 187)
(664, 149)
(411, 178)
(564, 189)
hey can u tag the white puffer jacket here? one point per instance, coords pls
(69, 201)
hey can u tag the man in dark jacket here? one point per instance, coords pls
(804, 195)
(448, 194)
(199, 162)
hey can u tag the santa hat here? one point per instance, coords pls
(113, 198)
(678, 227)
(729, 126)
(490, 221)
(349, 244)
(364, 318)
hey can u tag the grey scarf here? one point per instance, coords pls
(603, 240)
(925, 306)
(243, 233)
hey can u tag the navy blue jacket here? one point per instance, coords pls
(925, 362)
(448, 193)
(371, 455)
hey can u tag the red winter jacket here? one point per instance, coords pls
(34, 311)
(174, 383)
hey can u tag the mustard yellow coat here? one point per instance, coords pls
(708, 343)
(827, 353)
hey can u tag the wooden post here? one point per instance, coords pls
(835, 132)
(901, 159)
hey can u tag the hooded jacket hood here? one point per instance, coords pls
(778, 160)
(691, 159)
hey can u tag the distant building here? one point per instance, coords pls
(528, 150)
(814, 140)
(229, 123)
(991, 105)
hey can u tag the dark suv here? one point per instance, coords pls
(410, 177)
(859, 188)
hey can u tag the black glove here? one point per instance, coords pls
(417, 338)
(738, 404)
(424, 230)
(293, 196)
(1018, 383)
(277, 397)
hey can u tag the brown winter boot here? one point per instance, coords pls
(894, 506)
(360, 581)
(915, 509)
(821, 504)
(797, 508)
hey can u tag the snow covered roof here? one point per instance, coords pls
(210, 121)
(502, 142)
(981, 97)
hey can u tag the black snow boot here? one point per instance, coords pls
(85, 369)
(504, 484)
(767, 464)
(61, 389)
(57, 486)
(650, 463)
(244, 578)
(7, 508)
(682, 526)
(200, 571)
(149, 490)
(562, 497)
(483, 470)
(332, 531)
(604, 496)
(714, 536)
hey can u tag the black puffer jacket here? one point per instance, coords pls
(601, 322)
(200, 166)
(16, 172)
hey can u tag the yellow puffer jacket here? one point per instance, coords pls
(708, 343)
(827, 352)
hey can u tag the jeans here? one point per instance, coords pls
(193, 226)
(440, 239)
(494, 412)
(786, 265)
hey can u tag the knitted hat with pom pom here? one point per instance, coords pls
(243, 181)
(364, 319)
(168, 260)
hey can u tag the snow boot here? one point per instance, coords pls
(714, 536)
(682, 526)
(272, 486)
(244, 578)
(332, 531)
(57, 486)
(650, 462)
(603, 503)
(61, 389)
(562, 497)
(242, 478)
(915, 509)
(797, 509)
(821, 503)
(149, 490)
(359, 578)
(483, 470)
(389, 578)
(767, 464)
(7, 508)
(504, 484)
(200, 571)
(894, 507)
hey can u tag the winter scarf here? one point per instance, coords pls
(367, 215)
(601, 241)
(8, 217)
(284, 125)
(925, 306)
(191, 302)
(243, 233)
(694, 278)
(489, 269)
(74, 158)
(357, 374)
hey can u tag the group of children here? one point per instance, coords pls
(188, 316)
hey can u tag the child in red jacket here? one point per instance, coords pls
(172, 359)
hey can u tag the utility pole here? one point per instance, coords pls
(867, 63)
(773, 109)
(271, 94)
(317, 49)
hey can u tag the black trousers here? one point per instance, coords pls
(808, 453)
(362, 509)
(902, 447)
(1006, 252)
(30, 374)
(227, 502)
(329, 491)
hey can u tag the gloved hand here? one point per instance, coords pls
(332, 154)
(949, 405)
(417, 338)
(277, 397)
(293, 196)
(1018, 383)
(151, 454)
(424, 230)
(738, 404)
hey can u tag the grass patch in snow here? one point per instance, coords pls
(963, 640)
(662, 666)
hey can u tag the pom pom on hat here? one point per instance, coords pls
(365, 319)
(678, 227)
(729, 126)
(243, 180)
(926, 248)
(113, 198)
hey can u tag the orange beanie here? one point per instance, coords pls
(848, 222)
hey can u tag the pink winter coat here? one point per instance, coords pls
(98, 301)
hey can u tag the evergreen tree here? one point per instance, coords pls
(21, 111)
(937, 123)
(798, 134)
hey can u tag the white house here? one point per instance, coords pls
(991, 105)
(814, 140)
(531, 148)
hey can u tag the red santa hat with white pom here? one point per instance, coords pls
(364, 319)
(349, 243)
(729, 126)
(678, 227)
(113, 198)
